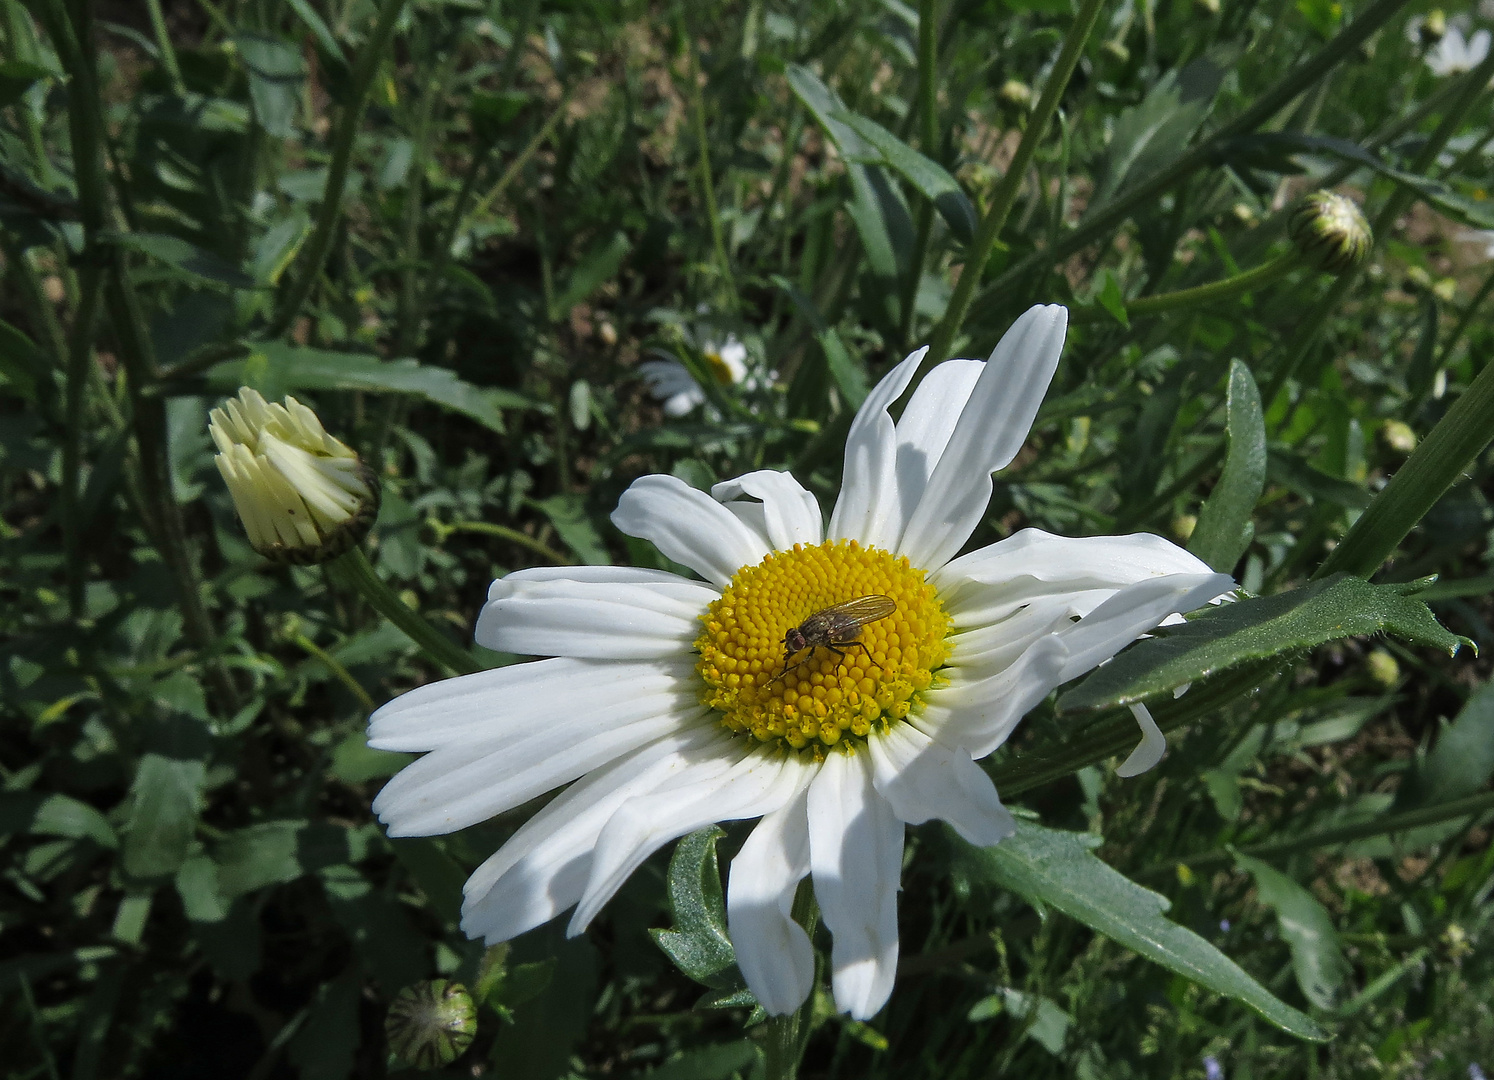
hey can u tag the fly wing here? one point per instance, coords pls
(854, 614)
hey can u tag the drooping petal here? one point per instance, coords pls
(509, 702)
(758, 783)
(465, 782)
(543, 868)
(1133, 611)
(978, 713)
(991, 429)
(689, 527)
(922, 778)
(1151, 748)
(790, 514)
(990, 648)
(607, 620)
(856, 855)
(988, 584)
(773, 951)
(868, 510)
(924, 429)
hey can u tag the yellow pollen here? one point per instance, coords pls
(718, 367)
(814, 699)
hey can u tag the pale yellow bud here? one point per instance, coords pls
(1398, 435)
(303, 496)
(1383, 668)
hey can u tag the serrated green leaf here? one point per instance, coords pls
(698, 944)
(1317, 957)
(1224, 527)
(1222, 637)
(275, 369)
(567, 512)
(1149, 135)
(1059, 869)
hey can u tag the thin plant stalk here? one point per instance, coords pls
(356, 572)
(707, 177)
(530, 149)
(343, 141)
(1010, 184)
(1214, 291)
(164, 46)
(928, 133)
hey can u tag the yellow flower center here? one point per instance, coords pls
(717, 365)
(852, 677)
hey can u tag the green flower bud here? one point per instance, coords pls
(1330, 232)
(1433, 28)
(1398, 435)
(1383, 669)
(431, 1023)
(1015, 94)
(1117, 51)
(303, 496)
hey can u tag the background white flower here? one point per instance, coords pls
(669, 703)
(1483, 238)
(670, 382)
(1454, 55)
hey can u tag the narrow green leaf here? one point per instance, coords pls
(1291, 471)
(849, 376)
(1317, 957)
(596, 269)
(1224, 527)
(16, 77)
(436, 872)
(930, 178)
(37, 814)
(186, 257)
(21, 362)
(1058, 869)
(275, 369)
(1265, 626)
(1461, 760)
(698, 944)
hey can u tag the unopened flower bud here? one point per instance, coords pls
(1383, 669)
(1116, 50)
(303, 496)
(1397, 435)
(431, 1023)
(1330, 232)
(1015, 94)
(1183, 526)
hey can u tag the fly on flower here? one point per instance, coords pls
(836, 628)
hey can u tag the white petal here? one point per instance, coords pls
(607, 620)
(856, 856)
(542, 870)
(924, 429)
(464, 783)
(991, 429)
(868, 509)
(773, 950)
(921, 779)
(993, 581)
(790, 514)
(758, 783)
(1151, 748)
(1133, 611)
(978, 714)
(689, 527)
(987, 650)
(509, 702)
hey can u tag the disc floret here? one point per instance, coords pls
(820, 697)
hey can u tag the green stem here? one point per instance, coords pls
(410, 311)
(785, 1036)
(1243, 282)
(1148, 191)
(928, 121)
(1465, 320)
(530, 149)
(163, 44)
(513, 536)
(1010, 184)
(344, 140)
(355, 571)
(707, 177)
(1435, 466)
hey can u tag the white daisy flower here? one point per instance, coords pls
(670, 381)
(1454, 55)
(671, 704)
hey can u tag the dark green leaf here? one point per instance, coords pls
(599, 267)
(438, 876)
(1230, 634)
(928, 176)
(1058, 869)
(849, 375)
(1291, 471)
(36, 814)
(1461, 760)
(698, 944)
(1148, 136)
(716, 1062)
(325, 1043)
(275, 369)
(1224, 527)
(187, 257)
(521, 983)
(275, 74)
(16, 77)
(493, 113)
(1317, 958)
(21, 362)
(567, 512)
(164, 804)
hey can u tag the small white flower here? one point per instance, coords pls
(1454, 55)
(671, 704)
(670, 382)
(302, 495)
(1483, 238)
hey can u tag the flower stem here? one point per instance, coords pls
(1434, 467)
(337, 172)
(786, 1035)
(355, 571)
(513, 536)
(1010, 184)
(707, 179)
(1242, 282)
(163, 44)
